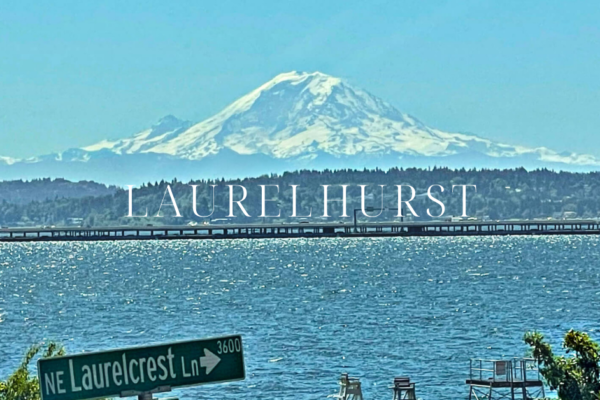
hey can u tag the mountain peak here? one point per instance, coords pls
(169, 121)
(167, 127)
(297, 75)
(304, 115)
(316, 82)
(168, 124)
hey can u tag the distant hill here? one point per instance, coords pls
(501, 194)
(297, 120)
(23, 192)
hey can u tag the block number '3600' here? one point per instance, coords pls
(229, 346)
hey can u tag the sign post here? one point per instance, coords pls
(141, 371)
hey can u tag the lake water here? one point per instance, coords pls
(308, 309)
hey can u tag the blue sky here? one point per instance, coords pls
(523, 72)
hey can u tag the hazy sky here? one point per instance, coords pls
(523, 72)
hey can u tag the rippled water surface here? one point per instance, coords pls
(307, 309)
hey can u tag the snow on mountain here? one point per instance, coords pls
(167, 128)
(299, 115)
(296, 120)
(7, 160)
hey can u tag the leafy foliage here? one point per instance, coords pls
(574, 376)
(21, 385)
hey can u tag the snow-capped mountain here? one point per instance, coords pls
(167, 128)
(296, 120)
(7, 160)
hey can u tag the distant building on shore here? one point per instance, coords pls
(74, 221)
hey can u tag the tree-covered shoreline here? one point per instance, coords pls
(501, 194)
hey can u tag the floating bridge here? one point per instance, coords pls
(303, 230)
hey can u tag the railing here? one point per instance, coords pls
(491, 370)
(513, 370)
(526, 369)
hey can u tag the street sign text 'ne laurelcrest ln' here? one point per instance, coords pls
(137, 370)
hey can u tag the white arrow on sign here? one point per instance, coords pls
(210, 361)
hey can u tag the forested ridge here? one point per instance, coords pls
(501, 194)
(23, 192)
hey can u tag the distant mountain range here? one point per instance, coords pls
(296, 120)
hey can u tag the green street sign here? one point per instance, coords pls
(137, 370)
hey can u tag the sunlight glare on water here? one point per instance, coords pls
(308, 309)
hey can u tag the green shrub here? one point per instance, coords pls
(21, 385)
(574, 376)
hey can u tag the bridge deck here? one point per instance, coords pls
(297, 230)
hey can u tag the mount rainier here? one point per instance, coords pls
(296, 120)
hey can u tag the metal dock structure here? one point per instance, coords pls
(302, 230)
(505, 379)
